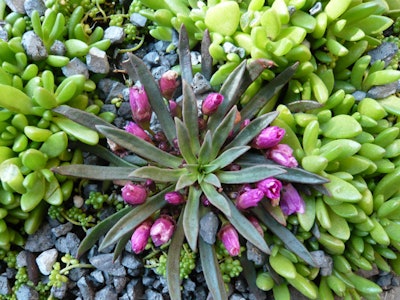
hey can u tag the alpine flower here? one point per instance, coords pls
(140, 106)
(162, 229)
(271, 187)
(249, 198)
(283, 155)
(140, 237)
(136, 130)
(168, 83)
(134, 194)
(174, 198)
(291, 201)
(268, 137)
(230, 239)
(211, 103)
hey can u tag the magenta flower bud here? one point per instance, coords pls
(168, 83)
(291, 201)
(211, 103)
(249, 198)
(140, 237)
(133, 193)
(230, 239)
(174, 198)
(271, 187)
(162, 230)
(256, 224)
(140, 106)
(244, 123)
(268, 137)
(283, 155)
(136, 130)
(173, 108)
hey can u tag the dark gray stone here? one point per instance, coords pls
(200, 85)
(115, 34)
(62, 229)
(5, 287)
(385, 281)
(31, 5)
(97, 61)
(98, 276)
(209, 227)
(324, 261)
(157, 72)
(138, 20)
(255, 255)
(3, 34)
(76, 273)
(135, 289)
(236, 296)
(68, 244)
(382, 91)
(74, 67)
(106, 293)
(131, 261)
(385, 52)
(125, 111)
(105, 263)
(189, 285)
(34, 46)
(86, 289)
(359, 95)
(152, 58)
(59, 292)
(150, 294)
(240, 285)
(119, 283)
(22, 259)
(26, 292)
(16, 5)
(58, 48)
(41, 240)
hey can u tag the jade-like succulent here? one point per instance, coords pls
(206, 159)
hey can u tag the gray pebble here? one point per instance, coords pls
(138, 20)
(131, 261)
(26, 292)
(324, 261)
(106, 293)
(31, 5)
(59, 292)
(134, 289)
(385, 281)
(68, 244)
(41, 240)
(58, 48)
(16, 5)
(5, 287)
(158, 71)
(98, 276)
(359, 95)
(150, 294)
(115, 34)
(236, 296)
(385, 51)
(62, 229)
(106, 263)
(3, 34)
(97, 61)
(119, 283)
(86, 289)
(46, 260)
(34, 46)
(255, 255)
(74, 67)
(189, 285)
(208, 227)
(382, 91)
(152, 58)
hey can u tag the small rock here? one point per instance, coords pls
(392, 294)
(34, 46)
(138, 20)
(105, 263)
(22, 260)
(41, 240)
(5, 287)
(119, 283)
(58, 48)
(189, 285)
(86, 289)
(158, 71)
(59, 292)
(359, 95)
(98, 276)
(195, 57)
(115, 34)
(382, 91)
(135, 289)
(152, 58)
(240, 285)
(16, 6)
(76, 273)
(385, 51)
(75, 67)
(46, 260)
(236, 296)
(324, 261)
(150, 294)
(396, 281)
(31, 5)
(106, 293)
(125, 111)
(68, 244)
(255, 255)
(3, 34)
(208, 227)
(62, 229)
(131, 261)
(97, 61)
(200, 85)
(385, 281)
(26, 292)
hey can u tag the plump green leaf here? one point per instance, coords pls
(185, 180)
(206, 58)
(136, 68)
(81, 117)
(15, 100)
(184, 142)
(173, 261)
(185, 59)
(211, 271)
(191, 217)
(267, 92)
(216, 199)
(250, 174)
(140, 147)
(226, 157)
(100, 229)
(212, 179)
(248, 133)
(95, 172)
(247, 229)
(287, 237)
(135, 217)
(159, 174)
(190, 116)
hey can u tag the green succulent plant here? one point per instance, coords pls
(198, 166)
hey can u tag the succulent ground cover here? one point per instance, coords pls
(320, 78)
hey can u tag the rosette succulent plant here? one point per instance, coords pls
(213, 156)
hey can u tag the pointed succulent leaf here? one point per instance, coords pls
(190, 116)
(212, 179)
(136, 67)
(184, 142)
(120, 246)
(215, 198)
(205, 149)
(159, 174)
(248, 133)
(136, 216)
(225, 158)
(211, 270)
(303, 105)
(275, 212)
(222, 132)
(250, 174)
(191, 217)
(81, 117)
(287, 237)
(247, 229)
(140, 147)
(185, 180)
(206, 58)
(267, 92)
(94, 172)
(100, 229)
(173, 261)
(185, 59)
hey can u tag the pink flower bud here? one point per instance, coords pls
(168, 83)
(271, 187)
(230, 239)
(140, 106)
(268, 137)
(136, 130)
(174, 198)
(244, 123)
(140, 237)
(283, 155)
(133, 193)
(291, 201)
(249, 198)
(162, 229)
(211, 103)
(256, 224)
(173, 108)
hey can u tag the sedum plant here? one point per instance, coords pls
(205, 156)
